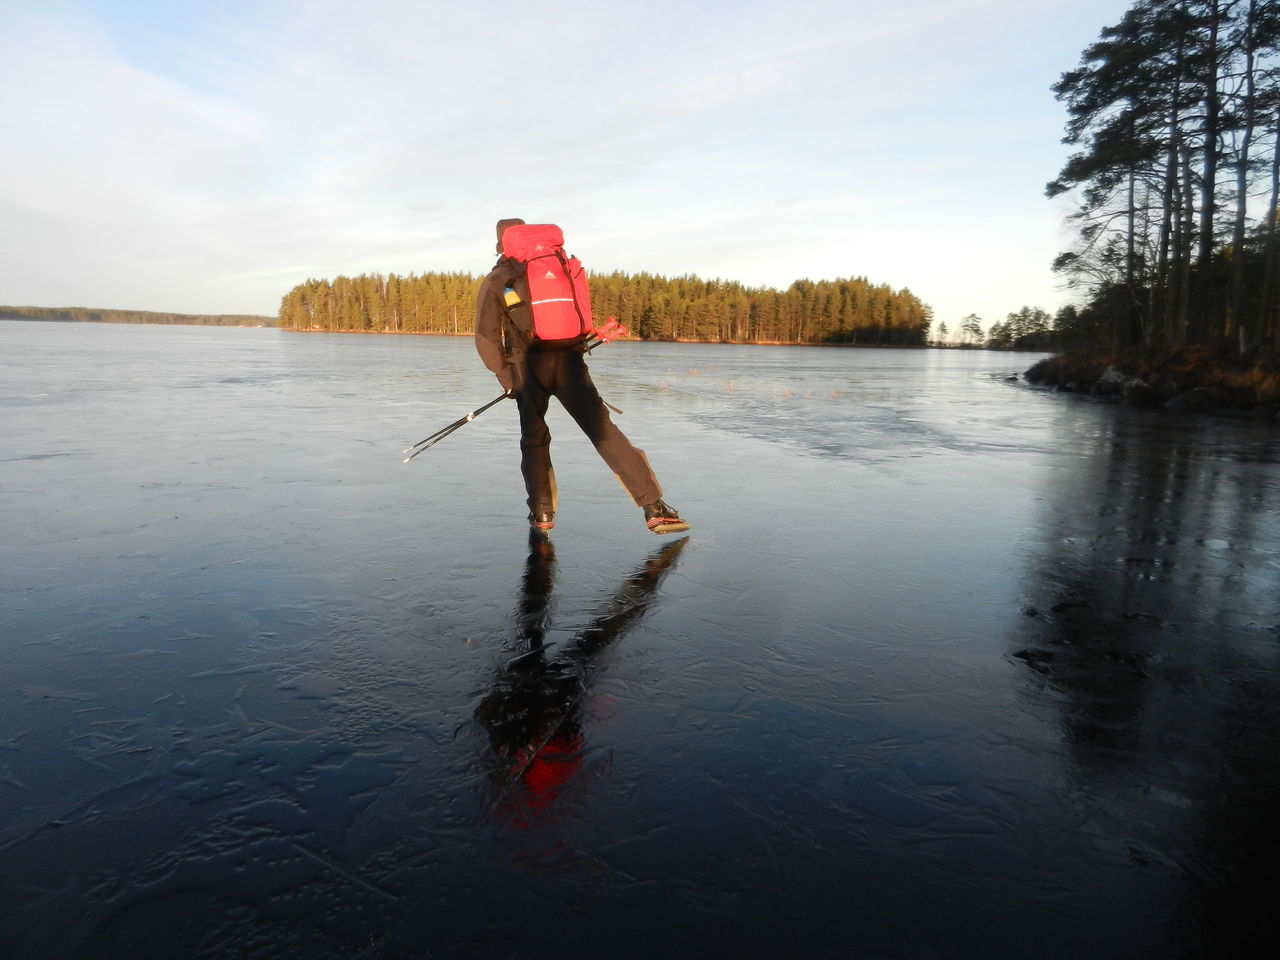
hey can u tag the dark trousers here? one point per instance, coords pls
(563, 374)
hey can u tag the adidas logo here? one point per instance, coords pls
(548, 275)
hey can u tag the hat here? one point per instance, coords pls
(502, 228)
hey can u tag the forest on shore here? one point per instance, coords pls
(95, 315)
(1175, 116)
(844, 311)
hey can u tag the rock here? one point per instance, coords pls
(1199, 400)
(1138, 393)
(1110, 384)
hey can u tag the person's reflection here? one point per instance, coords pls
(534, 712)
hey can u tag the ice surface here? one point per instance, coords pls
(945, 667)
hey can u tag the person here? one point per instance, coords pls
(533, 371)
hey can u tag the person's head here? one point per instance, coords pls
(502, 228)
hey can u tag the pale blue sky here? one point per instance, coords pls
(206, 157)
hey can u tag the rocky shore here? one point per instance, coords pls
(1189, 380)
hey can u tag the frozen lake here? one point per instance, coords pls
(946, 667)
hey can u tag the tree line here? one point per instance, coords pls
(96, 315)
(683, 308)
(1030, 328)
(1176, 114)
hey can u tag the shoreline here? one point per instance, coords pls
(1186, 380)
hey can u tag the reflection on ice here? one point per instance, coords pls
(533, 711)
(1153, 642)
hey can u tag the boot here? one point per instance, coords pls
(661, 518)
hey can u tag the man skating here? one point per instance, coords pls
(535, 344)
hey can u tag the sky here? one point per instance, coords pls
(205, 157)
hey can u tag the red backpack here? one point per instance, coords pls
(558, 295)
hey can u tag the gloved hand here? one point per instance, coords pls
(611, 329)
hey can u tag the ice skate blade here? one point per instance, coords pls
(675, 526)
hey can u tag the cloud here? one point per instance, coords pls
(98, 134)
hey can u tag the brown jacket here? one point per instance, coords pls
(497, 340)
